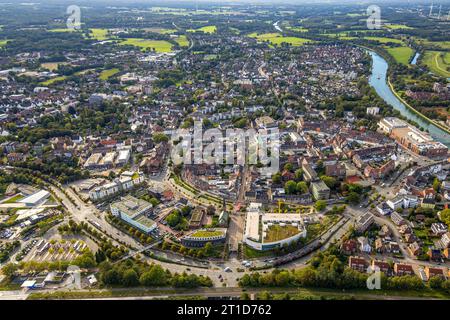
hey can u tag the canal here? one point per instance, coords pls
(378, 80)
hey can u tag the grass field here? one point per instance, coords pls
(106, 74)
(62, 30)
(144, 44)
(394, 26)
(384, 40)
(438, 62)
(53, 80)
(439, 44)
(401, 54)
(278, 39)
(99, 34)
(206, 29)
(160, 30)
(298, 29)
(182, 41)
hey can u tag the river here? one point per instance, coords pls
(378, 80)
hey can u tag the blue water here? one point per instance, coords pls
(416, 56)
(378, 80)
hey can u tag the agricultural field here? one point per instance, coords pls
(298, 29)
(402, 55)
(106, 74)
(384, 40)
(278, 39)
(182, 41)
(394, 26)
(53, 80)
(206, 29)
(160, 30)
(145, 44)
(438, 62)
(62, 30)
(99, 34)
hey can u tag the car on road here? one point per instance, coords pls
(227, 269)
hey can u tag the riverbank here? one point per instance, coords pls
(431, 121)
(380, 82)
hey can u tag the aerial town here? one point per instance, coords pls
(91, 180)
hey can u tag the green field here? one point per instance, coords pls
(438, 62)
(145, 44)
(160, 30)
(384, 40)
(206, 29)
(402, 55)
(106, 74)
(3, 42)
(394, 26)
(62, 30)
(278, 39)
(182, 41)
(99, 34)
(53, 80)
(298, 29)
(439, 44)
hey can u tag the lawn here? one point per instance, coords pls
(401, 54)
(182, 41)
(53, 80)
(438, 62)
(278, 39)
(251, 253)
(14, 199)
(145, 44)
(99, 34)
(106, 74)
(206, 29)
(277, 232)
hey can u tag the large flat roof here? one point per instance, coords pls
(252, 225)
(35, 197)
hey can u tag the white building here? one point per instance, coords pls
(35, 199)
(127, 181)
(134, 211)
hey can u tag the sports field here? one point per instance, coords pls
(106, 74)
